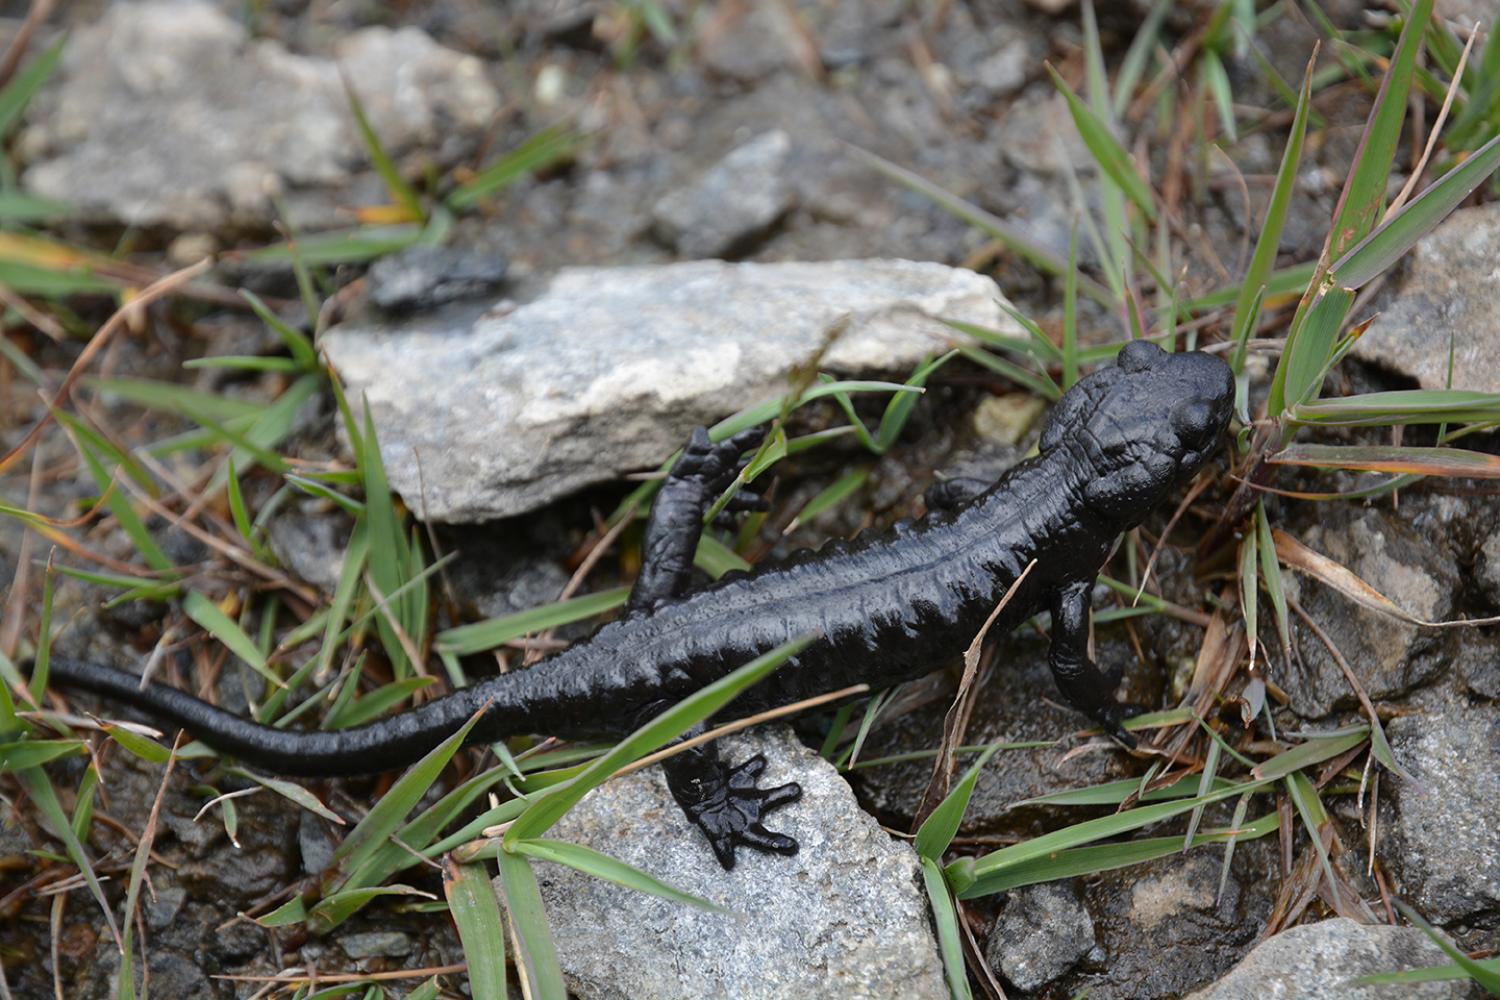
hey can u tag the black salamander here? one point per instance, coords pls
(887, 607)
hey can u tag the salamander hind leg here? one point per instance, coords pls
(724, 802)
(703, 472)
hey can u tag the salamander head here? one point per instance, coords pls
(1146, 426)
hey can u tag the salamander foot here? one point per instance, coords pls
(729, 810)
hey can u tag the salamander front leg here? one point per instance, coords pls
(1078, 678)
(703, 472)
(724, 802)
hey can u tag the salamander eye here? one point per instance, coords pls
(1195, 424)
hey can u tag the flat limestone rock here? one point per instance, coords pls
(609, 369)
(844, 918)
(1448, 290)
(168, 113)
(1321, 961)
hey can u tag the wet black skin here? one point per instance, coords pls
(888, 607)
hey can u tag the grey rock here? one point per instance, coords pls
(1040, 136)
(1321, 961)
(315, 843)
(843, 918)
(608, 369)
(229, 117)
(1042, 932)
(308, 539)
(424, 276)
(751, 41)
(1162, 930)
(162, 907)
(1448, 291)
(1447, 829)
(1479, 665)
(1005, 71)
(376, 944)
(735, 202)
(1019, 703)
(1487, 568)
(1388, 656)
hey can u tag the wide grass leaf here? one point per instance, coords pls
(1106, 149)
(550, 806)
(1390, 458)
(937, 830)
(1077, 861)
(466, 640)
(481, 930)
(1398, 234)
(950, 938)
(592, 862)
(391, 810)
(538, 957)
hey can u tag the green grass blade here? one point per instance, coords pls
(1106, 149)
(550, 806)
(549, 146)
(1486, 974)
(211, 618)
(1078, 861)
(602, 866)
(1041, 385)
(296, 341)
(715, 558)
(24, 85)
(1393, 238)
(465, 640)
(481, 931)
(1456, 462)
(537, 961)
(938, 829)
(1270, 574)
(119, 505)
(50, 811)
(830, 496)
(991, 225)
(1314, 751)
(400, 191)
(1216, 79)
(950, 938)
(1264, 258)
(1363, 197)
(390, 812)
(898, 410)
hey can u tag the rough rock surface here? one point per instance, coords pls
(169, 113)
(1043, 930)
(737, 200)
(1448, 289)
(1388, 656)
(1447, 828)
(425, 275)
(1161, 929)
(1019, 704)
(1319, 961)
(608, 369)
(843, 918)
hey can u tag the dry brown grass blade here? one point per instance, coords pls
(1294, 554)
(956, 721)
(1437, 127)
(157, 289)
